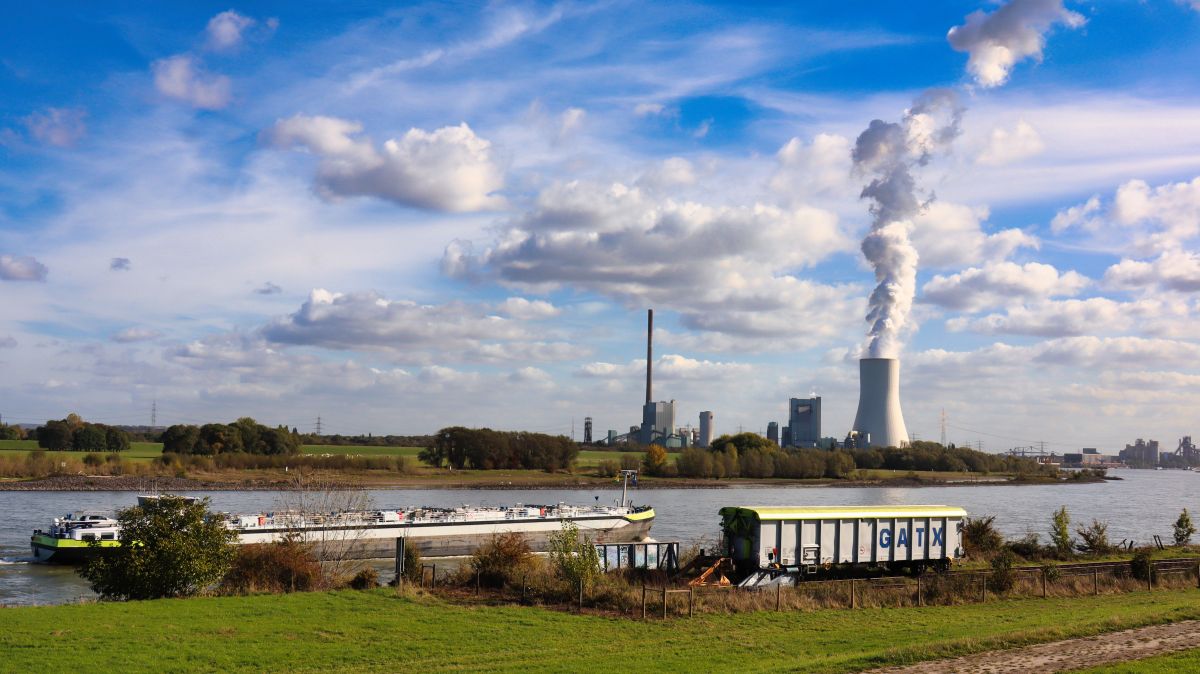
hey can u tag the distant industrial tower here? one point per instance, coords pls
(658, 419)
(773, 432)
(706, 430)
(587, 430)
(879, 422)
(804, 422)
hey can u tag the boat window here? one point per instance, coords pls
(88, 537)
(107, 537)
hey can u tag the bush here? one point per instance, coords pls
(1060, 533)
(574, 556)
(412, 564)
(286, 566)
(365, 579)
(608, 468)
(1003, 577)
(655, 461)
(501, 560)
(1142, 565)
(1184, 529)
(170, 547)
(1094, 539)
(92, 460)
(1027, 546)
(980, 536)
(630, 462)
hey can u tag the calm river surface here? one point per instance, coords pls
(1144, 503)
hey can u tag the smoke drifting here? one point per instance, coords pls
(888, 152)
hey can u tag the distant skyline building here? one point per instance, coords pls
(1141, 454)
(706, 430)
(804, 422)
(773, 432)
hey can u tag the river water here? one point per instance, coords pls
(1142, 504)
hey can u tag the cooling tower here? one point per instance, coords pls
(879, 414)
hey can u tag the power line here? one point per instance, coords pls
(1017, 439)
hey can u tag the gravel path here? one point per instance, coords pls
(1064, 656)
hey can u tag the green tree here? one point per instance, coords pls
(54, 435)
(1094, 539)
(170, 547)
(115, 439)
(8, 432)
(218, 439)
(1060, 532)
(573, 555)
(180, 439)
(89, 438)
(1184, 529)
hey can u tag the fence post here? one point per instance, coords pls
(1198, 575)
(433, 580)
(581, 595)
(920, 597)
(983, 587)
(1150, 577)
(1096, 582)
(643, 602)
(664, 602)
(478, 575)
(524, 584)
(778, 590)
(1043, 583)
(691, 599)
(399, 563)
(853, 595)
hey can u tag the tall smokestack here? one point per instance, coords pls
(649, 355)
(879, 413)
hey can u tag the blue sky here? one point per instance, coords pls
(405, 217)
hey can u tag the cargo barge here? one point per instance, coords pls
(372, 534)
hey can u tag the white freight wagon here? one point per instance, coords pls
(810, 538)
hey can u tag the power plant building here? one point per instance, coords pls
(658, 422)
(804, 422)
(706, 430)
(879, 422)
(773, 432)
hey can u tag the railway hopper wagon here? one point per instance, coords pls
(769, 543)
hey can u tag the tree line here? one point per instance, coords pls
(244, 435)
(73, 433)
(752, 455)
(485, 449)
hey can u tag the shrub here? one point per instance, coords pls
(286, 566)
(1060, 533)
(1094, 539)
(1027, 546)
(655, 461)
(630, 462)
(980, 536)
(412, 564)
(574, 556)
(92, 460)
(365, 579)
(1142, 565)
(499, 561)
(1003, 577)
(1052, 572)
(1184, 529)
(608, 468)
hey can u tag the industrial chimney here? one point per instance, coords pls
(880, 420)
(649, 354)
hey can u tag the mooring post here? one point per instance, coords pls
(853, 595)
(643, 602)
(1043, 584)
(920, 596)
(692, 598)
(1096, 582)
(664, 602)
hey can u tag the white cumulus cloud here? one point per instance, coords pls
(21, 268)
(225, 30)
(1007, 146)
(449, 169)
(1001, 284)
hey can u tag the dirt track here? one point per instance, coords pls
(1064, 656)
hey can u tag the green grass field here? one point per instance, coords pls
(1184, 662)
(140, 451)
(377, 631)
(361, 450)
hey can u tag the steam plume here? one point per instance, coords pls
(887, 152)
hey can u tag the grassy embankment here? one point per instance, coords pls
(377, 631)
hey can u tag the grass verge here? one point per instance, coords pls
(378, 631)
(1184, 662)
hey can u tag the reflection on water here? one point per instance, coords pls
(1144, 503)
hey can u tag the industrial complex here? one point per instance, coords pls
(879, 422)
